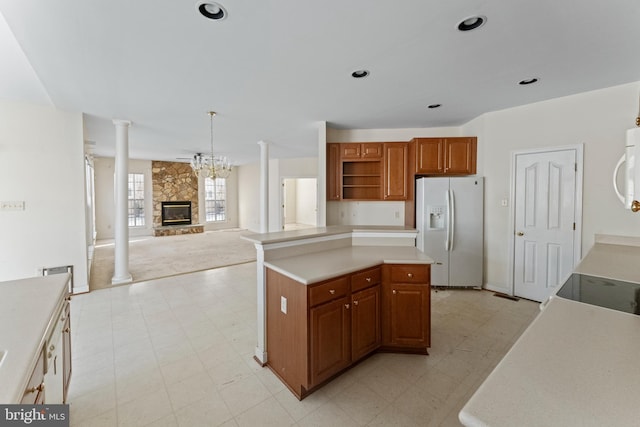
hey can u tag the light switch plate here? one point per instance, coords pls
(12, 206)
(283, 305)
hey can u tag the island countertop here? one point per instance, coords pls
(318, 266)
(27, 307)
(306, 233)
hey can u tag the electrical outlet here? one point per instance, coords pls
(283, 305)
(397, 214)
(12, 206)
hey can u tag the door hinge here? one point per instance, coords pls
(575, 167)
(574, 226)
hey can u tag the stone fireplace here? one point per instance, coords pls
(176, 213)
(174, 183)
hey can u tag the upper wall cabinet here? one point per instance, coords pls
(396, 170)
(367, 150)
(446, 156)
(334, 173)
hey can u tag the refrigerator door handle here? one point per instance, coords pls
(448, 221)
(452, 215)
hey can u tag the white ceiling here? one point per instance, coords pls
(274, 68)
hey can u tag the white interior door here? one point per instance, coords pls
(545, 215)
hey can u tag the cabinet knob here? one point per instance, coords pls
(394, 292)
(355, 302)
(332, 291)
(368, 279)
(347, 306)
(410, 275)
(65, 330)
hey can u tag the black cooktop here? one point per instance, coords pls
(609, 293)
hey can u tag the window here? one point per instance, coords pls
(136, 200)
(215, 199)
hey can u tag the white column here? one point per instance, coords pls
(261, 283)
(260, 353)
(264, 186)
(121, 272)
(321, 219)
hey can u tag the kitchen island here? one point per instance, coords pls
(576, 364)
(328, 297)
(34, 313)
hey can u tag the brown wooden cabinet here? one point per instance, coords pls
(364, 150)
(365, 322)
(316, 331)
(446, 156)
(396, 170)
(334, 169)
(406, 307)
(330, 339)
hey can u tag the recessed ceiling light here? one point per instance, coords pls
(212, 10)
(434, 106)
(472, 23)
(527, 81)
(358, 74)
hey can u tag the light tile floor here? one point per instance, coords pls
(178, 352)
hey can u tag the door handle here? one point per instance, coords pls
(519, 233)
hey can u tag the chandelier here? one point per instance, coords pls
(213, 166)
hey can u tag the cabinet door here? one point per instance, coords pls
(330, 339)
(365, 322)
(334, 178)
(371, 150)
(429, 155)
(396, 160)
(350, 151)
(66, 354)
(460, 156)
(409, 316)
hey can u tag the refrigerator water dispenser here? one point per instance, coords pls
(435, 220)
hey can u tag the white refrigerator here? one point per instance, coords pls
(450, 222)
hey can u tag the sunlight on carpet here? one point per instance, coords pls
(156, 257)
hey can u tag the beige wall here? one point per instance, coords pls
(597, 119)
(42, 165)
(104, 168)
(105, 209)
(249, 189)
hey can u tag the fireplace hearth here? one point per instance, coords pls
(176, 213)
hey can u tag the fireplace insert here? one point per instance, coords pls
(176, 213)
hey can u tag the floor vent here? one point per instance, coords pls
(506, 296)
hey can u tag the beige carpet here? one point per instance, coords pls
(155, 257)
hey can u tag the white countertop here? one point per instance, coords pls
(576, 364)
(26, 309)
(306, 233)
(621, 262)
(318, 266)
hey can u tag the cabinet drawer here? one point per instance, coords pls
(416, 273)
(364, 279)
(328, 291)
